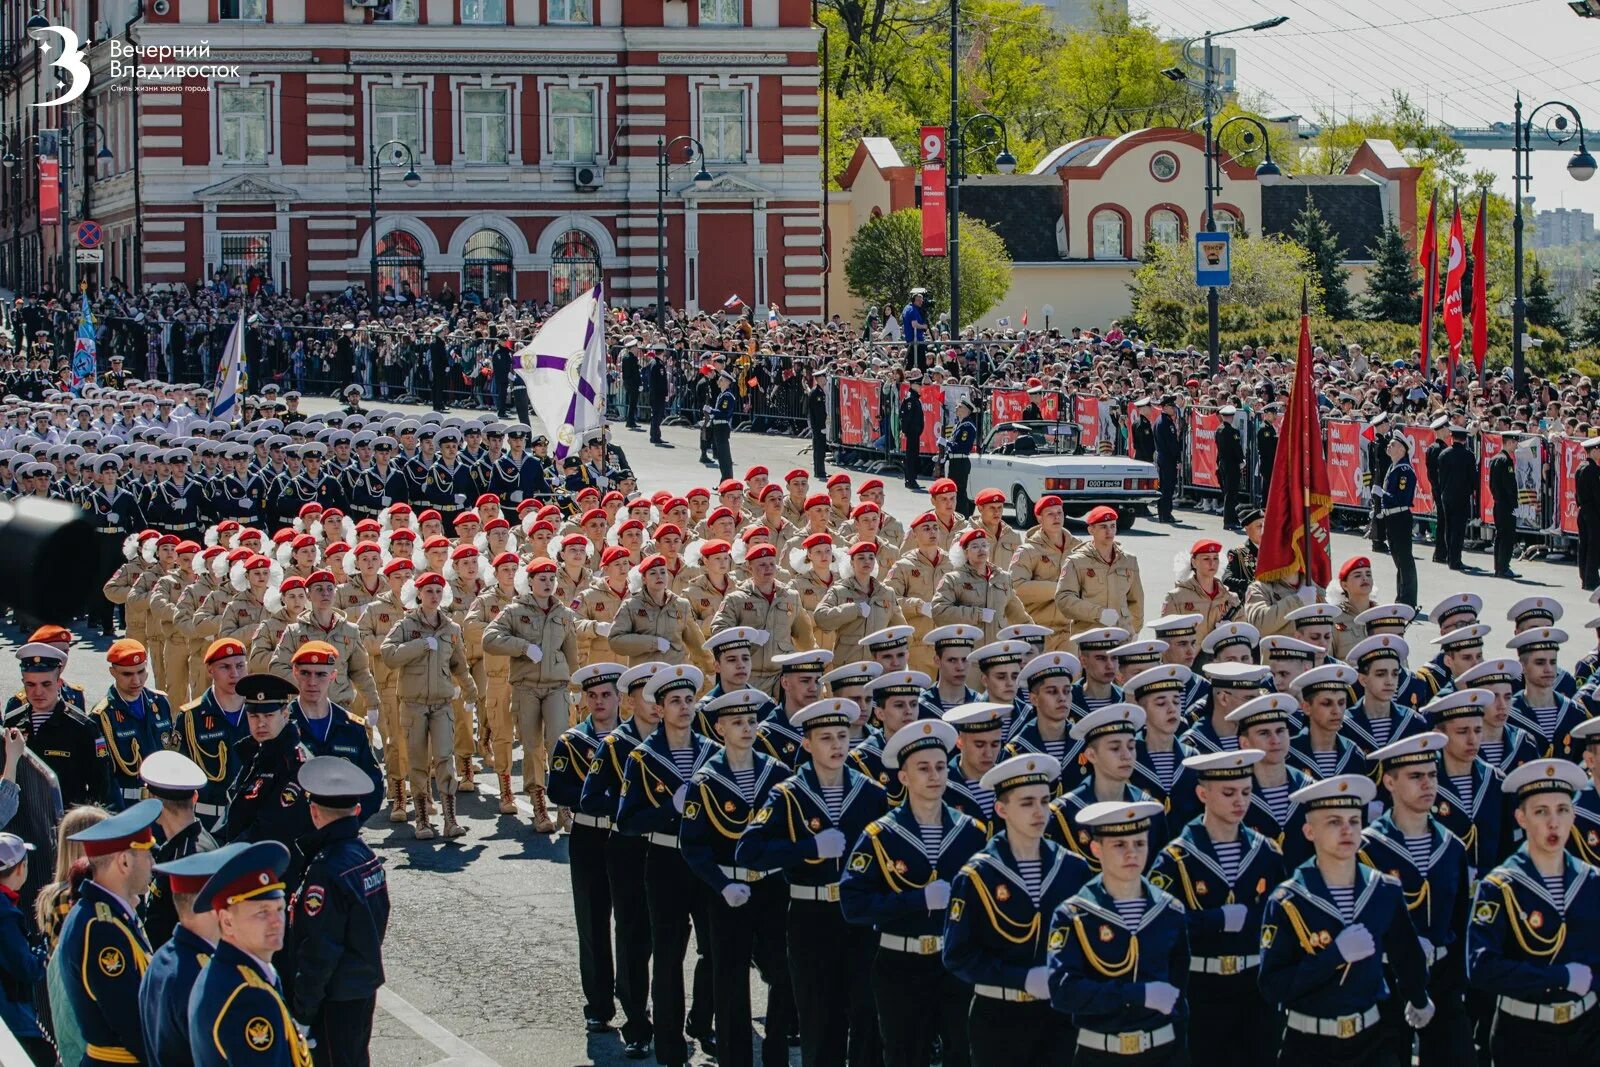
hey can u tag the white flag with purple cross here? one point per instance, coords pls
(564, 368)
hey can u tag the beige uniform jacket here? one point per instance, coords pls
(1003, 543)
(598, 603)
(705, 598)
(240, 616)
(264, 642)
(786, 622)
(840, 614)
(643, 625)
(569, 588)
(119, 590)
(1347, 633)
(914, 579)
(1267, 606)
(479, 616)
(548, 627)
(964, 594)
(353, 671)
(352, 596)
(1089, 585)
(205, 618)
(1035, 570)
(1187, 598)
(165, 596)
(429, 675)
(377, 619)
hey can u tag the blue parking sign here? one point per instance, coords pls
(1212, 264)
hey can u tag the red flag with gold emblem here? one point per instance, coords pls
(1296, 539)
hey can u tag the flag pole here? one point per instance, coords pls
(1305, 492)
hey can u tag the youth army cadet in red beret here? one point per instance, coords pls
(326, 727)
(1100, 583)
(134, 720)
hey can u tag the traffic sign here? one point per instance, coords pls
(89, 234)
(1212, 263)
(89, 255)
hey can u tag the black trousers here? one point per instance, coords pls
(1397, 527)
(819, 454)
(1505, 537)
(631, 398)
(657, 409)
(917, 999)
(1167, 475)
(1007, 1034)
(1229, 480)
(1447, 1040)
(519, 397)
(1227, 1012)
(343, 1033)
(591, 905)
(1517, 1042)
(677, 901)
(1589, 550)
(1441, 510)
(1372, 1047)
(1456, 532)
(502, 384)
(912, 460)
(722, 448)
(438, 392)
(625, 876)
(960, 469)
(752, 931)
(829, 964)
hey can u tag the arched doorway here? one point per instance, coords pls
(574, 266)
(400, 263)
(486, 265)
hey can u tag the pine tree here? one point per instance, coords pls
(1539, 302)
(1587, 330)
(1394, 292)
(1312, 232)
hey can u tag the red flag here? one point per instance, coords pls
(1455, 271)
(1480, 286)
(1428, 256)
(1296, 541)
(1024, 317)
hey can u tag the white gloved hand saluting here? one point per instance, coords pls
(937, 894)
(830, 845)
(866, 608)
(1233, 917)
(1355, 943)
(735, 893)
(1160, 997)
(1109, 617)
(1037, 984)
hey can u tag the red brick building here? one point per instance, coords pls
(533, 124)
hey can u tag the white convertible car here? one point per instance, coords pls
(1028, 460)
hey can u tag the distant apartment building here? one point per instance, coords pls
(1562, 226)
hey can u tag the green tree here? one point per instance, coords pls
(1267, 276)
(1587, 329)
(1542, 307)
(1312, 233)
(1394, 292)
(885, 262)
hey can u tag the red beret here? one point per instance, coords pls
(869, 485)
(713, 547)
(750, 533)
(1101, 514)
(926, 516)
(430, 516)
(730, 485)
(257, 562)
(548, 527)
(718, 514)
(798, 474)
(400, 564)
(505, 557)
(303, 541)
(488, 498)
(667, 528)
(310, 509)
(430, 578)
(186, 547)
(227, 526)
(869, 508)
(464, 552)
(467, 518)
(283, 535)
(172, 539)
(436, 541)
(817, 539)
(816, 500)
(367, 546)
(496, 523)
(322, 576)
(761, 551)
(332, 513)
(588, 491)
(541, 566)
(126, 652)
(369, 526)
(839, 479)
(612, 554)
(757, 471)
(403, 509)
(336, 548)
(631, 524)
(574, 540)
(770, 489)
(51, 635)
(649, 562)
(1205, 544)
(990, 496)
(291, 584)
(698, 490)
(405, 533)
(526, 505)
(863, 546)
(591, 515)
(943, 485)
(612, 495)
(1351, 564)
(969, 536)
(1046, 502)
(315, 653)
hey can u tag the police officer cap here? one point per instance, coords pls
(980, 717)
(858, 673)
(1230, 633)
(1118, 818)
(171, 775)
(255, 872)
(1031, 768)
(265, 693)
(334, 782)
(916, 737)
(1340, 791)
(1544, 776)
(129, 828)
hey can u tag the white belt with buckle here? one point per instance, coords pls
(210, 809)
(742, 874)
(997, 992)
(599, 822)
(1343, 1026)
(1395, 511)
(829, 892)
(927, 945)
(664, 840)
(132, 794)
(1223, 964)
(1128, 1044)
(1560, 1014)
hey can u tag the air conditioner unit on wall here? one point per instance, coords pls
(588, 176)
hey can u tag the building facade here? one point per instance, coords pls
(533, 126)
(1562, 226)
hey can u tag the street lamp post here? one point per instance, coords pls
(402, 154)
(69, 269)
(701, 179)
(1581, 166)
(1004, 162)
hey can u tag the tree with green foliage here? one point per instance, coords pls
(1267, 275)
(1312, 233)
(1394, 292)
(1587, 329)
(885, 262)
(1540, 303)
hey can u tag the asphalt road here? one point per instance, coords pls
(481, 955)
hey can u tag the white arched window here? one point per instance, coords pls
(1164, 227)
(1109, 235)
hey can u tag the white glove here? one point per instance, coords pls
(1109, 617)
(1427, 948)
(433, 643)
(986, 614)
(516, 496)
(461, 498)
(1160, 997)
(1375, 810)
(387, 501)
(1419, 1017)
(830, 845)
(243, 502)
(1579, 979)
(372, 716)
(735, 893)
(937, 894)
(603, 629)
(1037, 984)
(680, 797)
(1307, 594)
(662, 644)
(534, 653)
(1355, 943)
(926, 611)
(112, 516)
(470, 709)
(1233, 917)
(181, 502)
(305, 1034)
(866, 608)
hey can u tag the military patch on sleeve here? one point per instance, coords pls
(559, 763)
(860, 861)
(1267, 935)
(691, 810)
(312, 899)
(1058, 939)
(112, 963)
(763, 815)
(1159, 880)
(957, 906)
(258, 1034)
(1485, 913)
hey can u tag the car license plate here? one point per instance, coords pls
(1104, 483)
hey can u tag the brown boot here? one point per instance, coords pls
(424, 828)
(465, 771)
(397, 801)
(451, 827)
(542, 823)
(508, 803)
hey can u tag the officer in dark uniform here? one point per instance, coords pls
(1503, 491)
(134, 720)
(116, 514)
(338, 916)
(449, 485)
(817, 421)
(178, 502)
(69, 742)
(102, 951)
(175, 780)
(630, 382)
(719, 418)
(1430, 463)
(1230, 465)
(962, 443)
(1240, 569)
(1141, 433)
(176, 965)
(1395, 500)
(1586, 490)
(265, 802)
(1373, 477)
(237, 1012)
(655, 382)
(374, 488)
(1266, 452)
(211, 727)
(1458, 479)
(911, 419)
(1169, 450)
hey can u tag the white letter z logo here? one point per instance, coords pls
(71, 62)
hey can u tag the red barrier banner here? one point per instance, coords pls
(1005, 405)
(933, 211)
(932, 417)
(1203, 427)
(1490, 445)
(858, 411)
(1347, 462)
(1569, 454)
(1527, 457)
(1050, 407)
(49, 192)
(1086, 413)
(1418, 441)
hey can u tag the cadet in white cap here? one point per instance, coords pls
(732, 657)
(1000, 903)
(1583, 671)
(1110, 741)
(1413, 690)
(1534, 939)
(176, 781)
(1542, 612)
(746, 907)
(1047, 730)
(1099, 671)
(1123, 984)
(952, 647)
(1289, 658)
(1221, 871)
(800, 677)
(1322, 748)
(815, 816)
(1335, 916)
(1504, 746)
(1231, 642)
(1232, 683)
(1538, 709)
(1182, 635)
(1135, 656)
(1378, 717)
(1158, 757)
(1036, 636)
(889, 647)
(897, 881)
(1468, 803)
(998, 664)
(1266, 723)
(1458, 613)
(980, 729)
(893, 701)
(1313, 623)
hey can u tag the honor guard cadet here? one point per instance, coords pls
(1119, 948)
(804, 828)
(1049, 678)
(265, 802)
(1468, 803)
(1584, 842)
(1334, 933)
(1539, 612)
(1158, 757)
(64, 737)
(996, 928)
(175, 780)
(326, 728)
(1378, 718)
(1394, 512)
(799, 683)
(101, 952)
(1232, 685)
(571, 757)
(211, 727)
(1095, 684)
(134, 719)
(1326, 747)
(732, 652)
(1391, 620)
(1221, 871)
(952, 650)
(1534, 939)
(338, 916)
(979, 728)
(747, 913)
(237, 1013)
(1110, 744)
(897, 881)
(719, 421)
(894, 705)
(1541, 711)
(1430, 864)
(1504, 746)
(176, 965)
(1264, 724)
(1459, 650)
